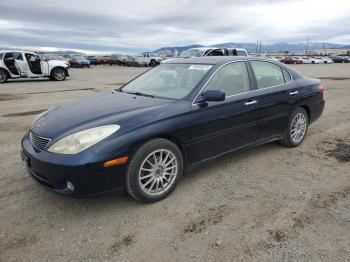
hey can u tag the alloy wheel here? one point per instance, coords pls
(298, 128)
(158, 172)
(3, 76)
(59, 74)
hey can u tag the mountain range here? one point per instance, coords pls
(251, 47)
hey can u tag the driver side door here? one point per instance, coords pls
(220, 127)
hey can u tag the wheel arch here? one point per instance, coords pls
(308, 111)
(55, 67)
(7, 71)
(177, 142)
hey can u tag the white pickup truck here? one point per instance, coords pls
(24, 64)
(152, 59)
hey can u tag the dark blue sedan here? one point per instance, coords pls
(141, 137)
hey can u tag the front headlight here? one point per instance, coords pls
(77, 142)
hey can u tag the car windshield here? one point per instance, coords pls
(192, 53)
(79, 57)
(169, 81)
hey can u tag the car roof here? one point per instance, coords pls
(212, 60)
(12, 51)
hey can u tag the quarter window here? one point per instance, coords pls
(267, 74)
(232, 79)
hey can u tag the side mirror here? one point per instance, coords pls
(211, 95)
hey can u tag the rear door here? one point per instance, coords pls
(276, 98)
(21, 64)
(223, 126)
(10, 63)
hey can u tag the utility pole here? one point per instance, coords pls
(256, 47)
(260, 47)
(307, 45)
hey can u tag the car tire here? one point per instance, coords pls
(58, 74)
(153, 63)
(297, 128)
(154, 171)
(3, 76)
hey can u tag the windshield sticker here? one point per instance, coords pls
(200, 67)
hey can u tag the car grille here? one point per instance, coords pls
(37, 141)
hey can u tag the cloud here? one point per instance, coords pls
(139, 25)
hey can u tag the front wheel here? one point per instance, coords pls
(297, 128)
(3, 76)
(154, 171)
(153, 63)
(58, 74)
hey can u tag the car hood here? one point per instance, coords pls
(128, 111)
(57, 63)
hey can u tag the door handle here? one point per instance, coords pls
(249, 103)
(294, 93)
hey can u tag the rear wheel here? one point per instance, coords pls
(3, 76)
(297, 128)
(58, 74)
(154, 171)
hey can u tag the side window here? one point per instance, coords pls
(241, 53)
(232, 79)
(18, 56)
(286, 75)
(215, 52)
(1, 55)
(32, 58)
(267, 74)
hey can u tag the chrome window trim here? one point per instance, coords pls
(250, 91)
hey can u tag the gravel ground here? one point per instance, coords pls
(265, 204)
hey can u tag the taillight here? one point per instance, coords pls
(322, 89)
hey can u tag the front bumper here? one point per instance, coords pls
(84, 170)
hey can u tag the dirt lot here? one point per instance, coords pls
(265, 204)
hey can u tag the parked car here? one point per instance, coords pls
(213, 51)
(143, 136)
(291, 60)
(152, 59)
(92, 59)
(309, 60)
(103, 60)
(325, 59)
(24, 64)
(79, 62)
(121, 59)
(137, 60)
(340, 59)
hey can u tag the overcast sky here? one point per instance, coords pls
(133, 25)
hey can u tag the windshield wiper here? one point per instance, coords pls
(139, 94)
